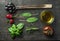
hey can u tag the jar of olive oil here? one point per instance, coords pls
(47, 17)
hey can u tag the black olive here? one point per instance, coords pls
(10, 7)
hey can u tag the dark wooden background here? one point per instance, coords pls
(38, 35)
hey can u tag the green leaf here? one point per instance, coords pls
(27, 14)
(10, 29)
(18, 32)
(35, 28)
(20, 26)
(12, 36)
(12, 32)
(28, 29)
(32, 19)
(31, 28)
(13, 26)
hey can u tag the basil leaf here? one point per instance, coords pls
(20, 26)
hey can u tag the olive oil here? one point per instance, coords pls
(47, 16)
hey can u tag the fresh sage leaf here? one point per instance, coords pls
(27, 14)
(32, 19)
